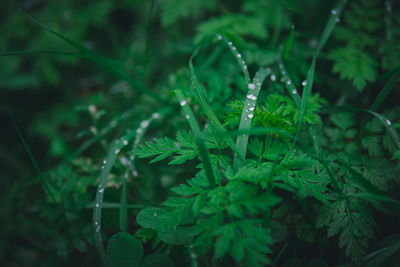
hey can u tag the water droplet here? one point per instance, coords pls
(289, 82)
(219, 37)
(245, 67)
(334, 11)
(250, 115)
(92, 109)
(156, 115)
(139, 130)
(125, 142)
(259, 84)
(388, 122)
(97, 205)
(251, 97)
(251, 109)
(102, 167)
(251, 86)
(187, 116)
(304, 83)
(239, 55)
(144, 124)
(98, 228)
(273, 77)
(337, 20)
(294, 91)
(183, 102)
(233, 48)
(101, 190)
(96, 223)
(229, 43)
(104, 161)
(135, 173)
(116, 151)
(155, 214)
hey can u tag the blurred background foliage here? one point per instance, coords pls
(69, 109)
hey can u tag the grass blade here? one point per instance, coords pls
(385, 121)
(123, 210)
(140, 132)
(335, 13)
(238, 57)
(248, 113)
(108, 163)
(198, 136)
(288, 45)
(28, 52)
(381, 96)
(43, 180)
(289, 84)
(106, 63)
(106, 168)
(206, 107)
(111, 205)
(385, 90)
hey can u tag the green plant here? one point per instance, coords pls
(267, 173)
(232, 207)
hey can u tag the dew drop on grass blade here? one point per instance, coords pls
(248, 113)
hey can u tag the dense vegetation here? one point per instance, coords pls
(200, 133)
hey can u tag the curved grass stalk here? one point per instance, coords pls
(198, 136)
(106, 168)
(43, 180)
(289, 85)
(385, 121)
(333, 19)
(108, 163)
(206, 107)
(390, 84)
(123, 218)
(238, 57)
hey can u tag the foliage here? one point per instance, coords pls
(265, 147)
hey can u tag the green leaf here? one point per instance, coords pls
(161, 147)
(355, 65)
(176, 235)
(352, 222)
(151, 218)
(373, 145)
(124, 250)
(226, 234)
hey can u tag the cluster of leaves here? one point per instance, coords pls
(365, 39)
